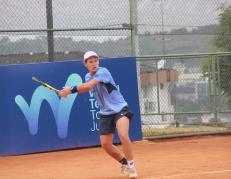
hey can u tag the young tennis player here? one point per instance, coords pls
(114, 112)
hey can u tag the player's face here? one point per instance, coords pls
(92, 64)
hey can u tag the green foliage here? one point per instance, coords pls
(225, 74)
(223, 39)
(205, 67)
(223, 42)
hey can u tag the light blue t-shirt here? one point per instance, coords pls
(109, 98)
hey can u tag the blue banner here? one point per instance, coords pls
(34, 118)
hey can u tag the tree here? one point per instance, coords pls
(223, 39)
(222, 42)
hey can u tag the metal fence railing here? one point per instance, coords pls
(61, 29)
(184, 92)
(176, 91)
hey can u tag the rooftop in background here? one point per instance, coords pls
(165, 75)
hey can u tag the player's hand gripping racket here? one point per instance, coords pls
(45, 84)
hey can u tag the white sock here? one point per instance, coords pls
(131, 163)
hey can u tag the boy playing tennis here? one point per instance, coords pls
(114, 113)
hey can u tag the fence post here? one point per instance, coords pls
(210, 86)
(133, 27)
(157, 86)
(219, 84)
(214, 88)
(50, 35)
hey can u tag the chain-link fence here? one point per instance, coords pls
(185, 93)
(178, 26)
(41, 30)
(63, 29)
(175, 91)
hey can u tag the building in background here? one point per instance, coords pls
(149, 101)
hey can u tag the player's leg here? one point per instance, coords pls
(113, 151)
(106, 129)
(122, 126)
(109, 147)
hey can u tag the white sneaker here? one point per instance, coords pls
(132, 173)
(124, 170)
(128, 171)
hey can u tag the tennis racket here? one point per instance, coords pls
(45, 84)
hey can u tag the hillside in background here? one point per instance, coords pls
(177, 41)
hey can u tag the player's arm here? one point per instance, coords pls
(83, 88)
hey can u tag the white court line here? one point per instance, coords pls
(187, 174)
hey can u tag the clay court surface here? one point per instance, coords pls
(187, 158)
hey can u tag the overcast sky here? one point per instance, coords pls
(24, 14)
